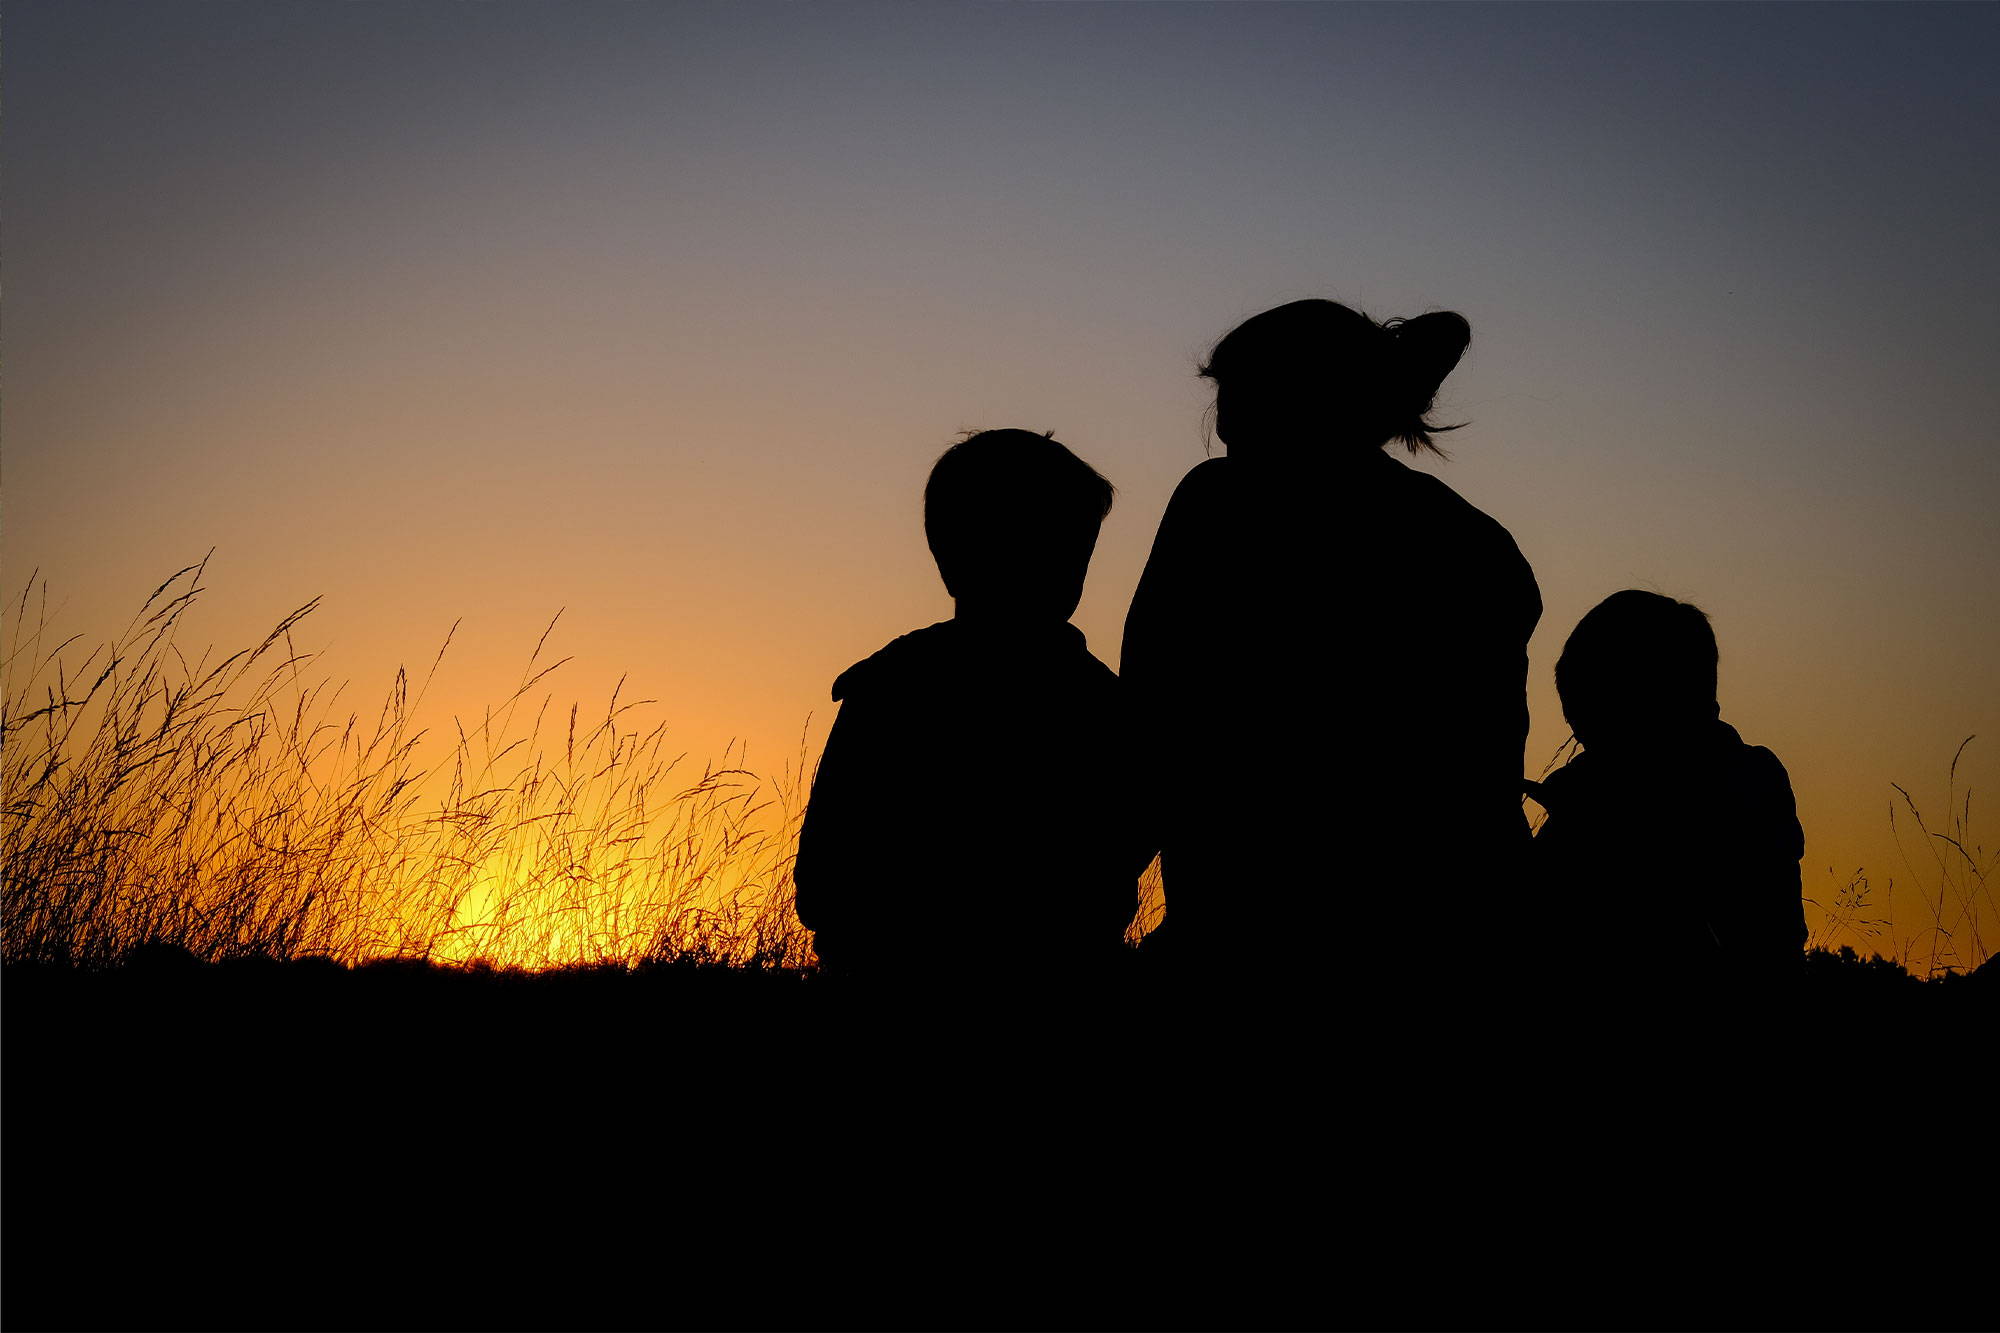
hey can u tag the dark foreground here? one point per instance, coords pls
(260, 1145)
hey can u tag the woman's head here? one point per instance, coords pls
(1314, 372)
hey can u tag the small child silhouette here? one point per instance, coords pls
(973, 811)
(1671, 849)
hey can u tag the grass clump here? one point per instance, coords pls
(1953, 873)
(232, 809)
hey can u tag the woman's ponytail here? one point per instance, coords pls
(1422, 352)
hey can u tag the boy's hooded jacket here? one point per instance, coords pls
(975, 804)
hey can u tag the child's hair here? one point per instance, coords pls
(1318, 357)
(1000, 504)
(1637, 647)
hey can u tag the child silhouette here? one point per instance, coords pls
(973, 811)
(1671, 851)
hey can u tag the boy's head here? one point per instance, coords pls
(1638, 667)
(1012, 518)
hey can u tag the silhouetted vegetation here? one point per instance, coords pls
(255, 1143)
(230, 809)
(1958, 897)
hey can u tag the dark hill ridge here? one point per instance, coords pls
(302, 1145)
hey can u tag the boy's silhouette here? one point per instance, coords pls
(974, 807)
(1671, 852)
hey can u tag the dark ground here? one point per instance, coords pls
(263, 1145)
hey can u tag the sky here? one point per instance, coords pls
(658, 315)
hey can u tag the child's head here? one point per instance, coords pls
(1012, 518)
(1638, 667)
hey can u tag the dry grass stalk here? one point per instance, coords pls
(230, 809)
(1959, 899)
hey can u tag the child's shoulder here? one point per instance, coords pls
(1759, 791)
(917, 653)
(957, 655)
(1752, 766)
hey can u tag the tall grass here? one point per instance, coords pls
(232, 808)
(1953, 878)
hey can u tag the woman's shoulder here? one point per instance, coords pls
(1460, 537)
(1447, 506)
(1434, 490)
(1211, 476)
(1202, 494)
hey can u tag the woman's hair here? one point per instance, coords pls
(1319, 356)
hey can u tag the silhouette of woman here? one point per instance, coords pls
(1329, 652)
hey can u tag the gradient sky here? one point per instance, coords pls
(660, 313)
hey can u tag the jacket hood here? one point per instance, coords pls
(920, 652)
(898, 657)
